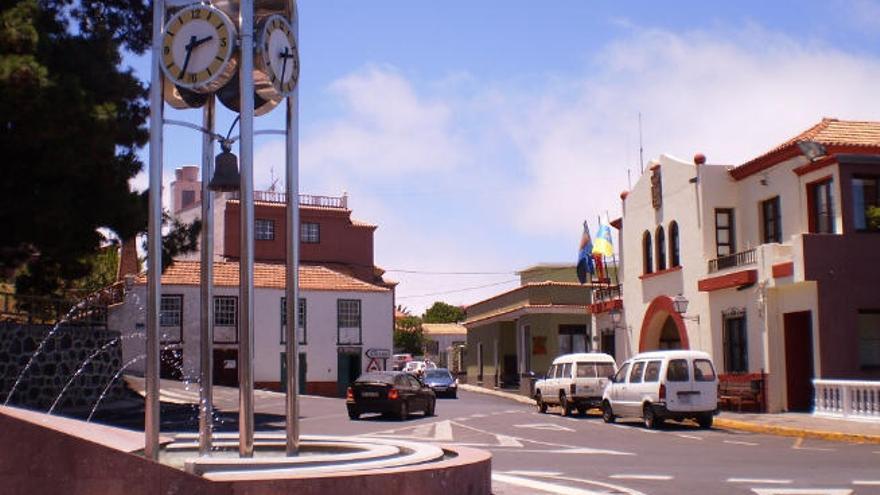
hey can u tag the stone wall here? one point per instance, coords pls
(62, 355)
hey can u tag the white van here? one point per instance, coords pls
(575, 381)
(663, 385)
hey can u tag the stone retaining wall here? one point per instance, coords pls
(62, 355)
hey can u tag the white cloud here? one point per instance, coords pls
(524, 162)
(731, 95)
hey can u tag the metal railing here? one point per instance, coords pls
(340, 202)
(741, 258)
(850, 399)
(609, 293)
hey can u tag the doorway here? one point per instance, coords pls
(303, 366)
(348, 369)
(226, 367)
(799, 360)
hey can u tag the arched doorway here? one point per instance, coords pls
(662, 327)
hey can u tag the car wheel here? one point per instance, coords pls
(565, 405)
(454, 394)
(705, 421)
(651, 420)
(542, 406)
(607, 413)
(353, 413)
(429, 409)
(403, 410)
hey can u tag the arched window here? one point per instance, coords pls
(647, 253)
(674, 253)
(661, 249)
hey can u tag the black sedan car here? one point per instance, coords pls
(389, 392)
(441, 382)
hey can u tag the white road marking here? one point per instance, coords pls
(737, 442)
(800, 441)
(655, 477)
(802, 491)
(544, 426)
(621, 427)
(614, 488)
(866, 482)
(533, 473)
(541, 485)
(759, 481)
(478, 415)
(563, 447)
(443, 431)
(692, 437)
(507, 441)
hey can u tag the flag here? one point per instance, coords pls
(585, 261)
(603, 243)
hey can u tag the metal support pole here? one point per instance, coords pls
(292, 288)
(154, 242)
(206, 377)
(246, 262)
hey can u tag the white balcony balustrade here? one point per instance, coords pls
(848, 399)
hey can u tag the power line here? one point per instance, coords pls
(460, 290)
(429, 272)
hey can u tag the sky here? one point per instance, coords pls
(479, 136)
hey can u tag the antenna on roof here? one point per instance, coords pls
(272, 179)
(641, 155)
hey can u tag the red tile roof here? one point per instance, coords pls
(266, 275)
(838, 136)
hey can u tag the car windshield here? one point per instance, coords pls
(437, 374)
(376, 377)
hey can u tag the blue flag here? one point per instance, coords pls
(585, 258)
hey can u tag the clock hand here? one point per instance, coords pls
(203, 40)
(284, 57)
(189, 48)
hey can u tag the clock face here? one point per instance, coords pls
(197, 48)
(279, 57)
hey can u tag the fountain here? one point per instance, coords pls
(81, 457)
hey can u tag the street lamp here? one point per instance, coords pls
(680, 303)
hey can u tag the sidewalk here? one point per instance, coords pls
(784, 424)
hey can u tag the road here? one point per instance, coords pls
(537, 453)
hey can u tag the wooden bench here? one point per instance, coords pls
(742, 389)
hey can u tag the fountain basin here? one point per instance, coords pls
(50, 454)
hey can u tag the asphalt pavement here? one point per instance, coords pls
(537, 453)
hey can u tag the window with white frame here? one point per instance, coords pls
(348, 321)
(310, 232)
(171, 318)
(264, 229)
(300, 321)
(225, 319)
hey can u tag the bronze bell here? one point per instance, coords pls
(226, 176)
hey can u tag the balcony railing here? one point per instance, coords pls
(340, 202)
(738, 259)
(849, 399)
(609, 293)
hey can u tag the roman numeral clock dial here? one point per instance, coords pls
(198, 49)
(278, 55)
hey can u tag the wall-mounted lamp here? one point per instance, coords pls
(680, 303)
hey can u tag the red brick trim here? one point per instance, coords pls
(817, 165)
(605, 306)
(659, 273)
(658, 305)
(791, 150)
(727, 281)
(781, 270)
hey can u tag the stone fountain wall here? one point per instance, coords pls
(56, 363)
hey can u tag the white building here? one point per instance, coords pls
(778, 259)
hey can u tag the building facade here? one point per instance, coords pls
(519, 332)
(346, 308)
(777, 259)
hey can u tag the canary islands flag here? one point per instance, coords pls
(603, 244)
(585, 261)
